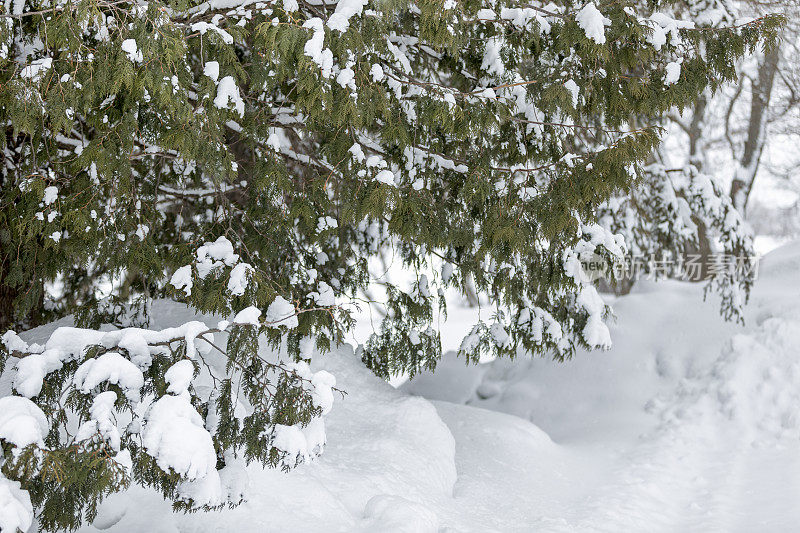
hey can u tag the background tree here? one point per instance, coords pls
(752, 116)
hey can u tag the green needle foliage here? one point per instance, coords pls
(237, 154)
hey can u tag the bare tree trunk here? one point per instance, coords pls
(470, 293)
(754, 144)
(696, 132)
(703, 247)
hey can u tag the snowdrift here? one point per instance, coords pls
(686, 424)
(693, 424)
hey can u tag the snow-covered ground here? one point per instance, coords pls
(687, 424)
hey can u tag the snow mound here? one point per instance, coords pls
(687, 423)
(281, 312)
(103, 420)
(755, 384)
(399, 515)
(380, 443)
(176, 438)
(16, 512)
(593, 23)
(113, 368)
(454, 380)
(22, 423)
(755, 380)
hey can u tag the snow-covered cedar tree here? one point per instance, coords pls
(248, 158)
(681, 221)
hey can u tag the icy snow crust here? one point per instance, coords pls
(686, 424)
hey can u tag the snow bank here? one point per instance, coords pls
(382, 447)
(395, 513)
(686, 424)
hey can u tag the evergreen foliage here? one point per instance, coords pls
(252, 156)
